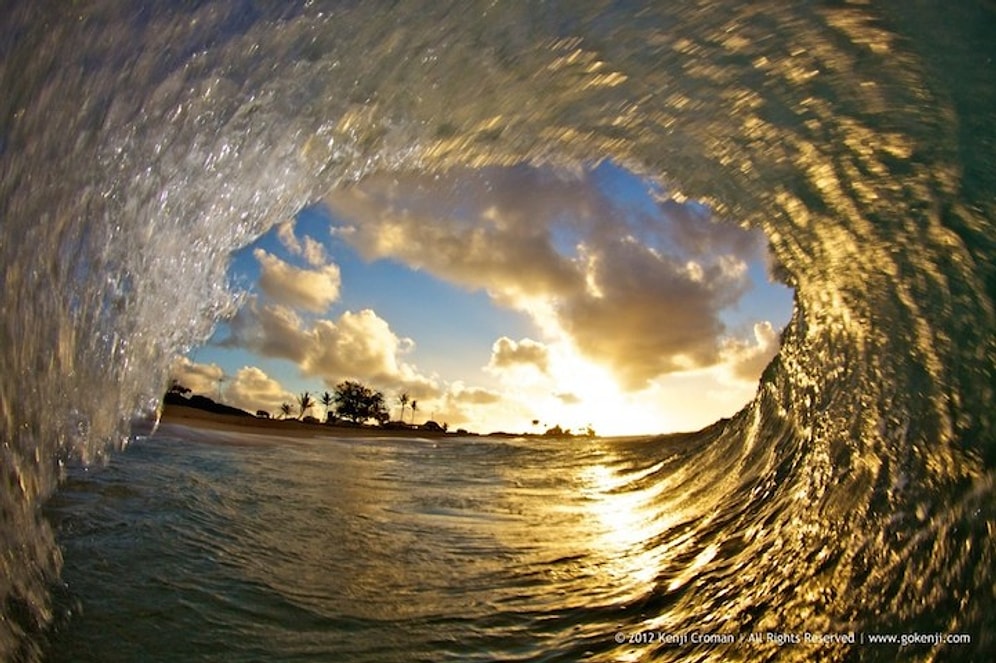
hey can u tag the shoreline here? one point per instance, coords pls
(197, 418)
(191, 417)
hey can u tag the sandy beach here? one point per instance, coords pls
(191, 417)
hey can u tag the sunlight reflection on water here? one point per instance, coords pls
(624, 521)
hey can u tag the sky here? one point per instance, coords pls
(503, 299)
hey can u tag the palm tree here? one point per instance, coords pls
(327, 402)
(305, 402)
(414, 407)
(286, 410)
(403, 399)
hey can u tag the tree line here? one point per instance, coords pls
(349, 400)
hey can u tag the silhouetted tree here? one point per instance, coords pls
(358, 403)
(403, 399)
(305, 402)
(414, 407)
(327, 402)
(286, 410)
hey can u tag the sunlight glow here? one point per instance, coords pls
(624, 522)
(575, 393)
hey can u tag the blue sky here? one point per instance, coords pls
(501, 296)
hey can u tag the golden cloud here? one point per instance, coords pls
(506, 353)
(200, 379)
(358, 345)
(637, 294)
(310, 289)
(251, 389)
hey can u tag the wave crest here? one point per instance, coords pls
(138, 147)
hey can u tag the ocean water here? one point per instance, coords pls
(235, 546)
(141, 143)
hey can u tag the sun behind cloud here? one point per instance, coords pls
(639, 291)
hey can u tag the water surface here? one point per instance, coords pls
(234, 546)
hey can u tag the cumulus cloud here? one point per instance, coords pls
(271, 330)
(285, 233)
(647, 313)
(198, 378)
(358, 345)
(472, 395)
(748, 360)
(309, 248)
(628, 288)
(251, 389)
(314, 252)
(310, 289)
(463, 230)
(506, 353)
(362, 342)
(695, 231)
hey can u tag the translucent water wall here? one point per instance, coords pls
(140, 144)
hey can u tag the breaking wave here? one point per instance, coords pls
(141, 143)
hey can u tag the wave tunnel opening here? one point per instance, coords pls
(503, 299)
